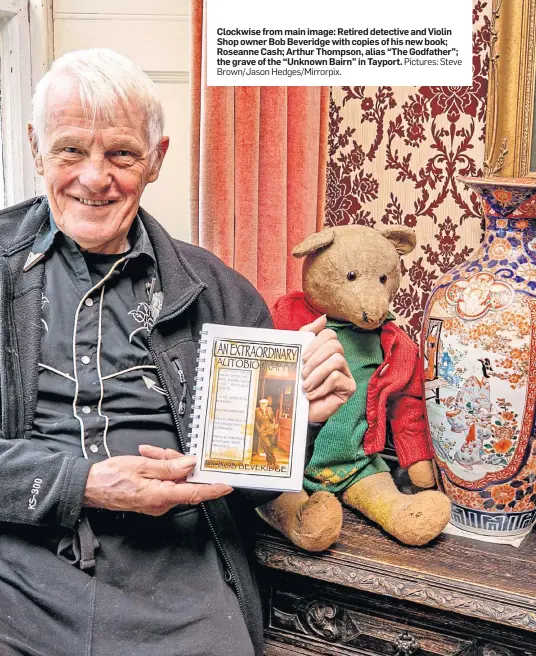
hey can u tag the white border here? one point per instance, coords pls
(25, 54)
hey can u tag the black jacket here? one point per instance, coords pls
(197, 288)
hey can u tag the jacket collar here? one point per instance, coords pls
(46, 235)
(49, 233)
(20, 234)
(180, 284)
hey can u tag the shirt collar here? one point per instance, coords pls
(46, 237)
(139, 240)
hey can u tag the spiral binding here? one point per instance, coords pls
(194, 425)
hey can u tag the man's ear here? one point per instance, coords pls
(38, 159)
(161, 151)
(314, 242)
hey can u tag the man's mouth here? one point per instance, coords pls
(86, 201)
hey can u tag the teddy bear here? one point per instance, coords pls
(351, 274)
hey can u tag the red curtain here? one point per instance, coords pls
(258, 171)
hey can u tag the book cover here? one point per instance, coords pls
(249, 423)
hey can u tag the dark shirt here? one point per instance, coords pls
(99, 392)
(144, 585)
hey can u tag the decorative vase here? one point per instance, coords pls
(479, 358)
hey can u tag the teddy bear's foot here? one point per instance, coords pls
(311, 522)
(422, 474)
(414, 519)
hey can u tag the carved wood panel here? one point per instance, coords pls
(331, 626)
(310, 617)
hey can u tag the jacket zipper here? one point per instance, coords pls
(219, 545)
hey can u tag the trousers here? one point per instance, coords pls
(157, 587)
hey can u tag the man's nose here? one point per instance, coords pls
(94, 175)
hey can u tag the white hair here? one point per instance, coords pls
(104, 78)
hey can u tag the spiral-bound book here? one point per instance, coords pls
(249, 416)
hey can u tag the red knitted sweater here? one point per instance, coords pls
(395, 390)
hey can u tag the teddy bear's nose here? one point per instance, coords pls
(365, 317)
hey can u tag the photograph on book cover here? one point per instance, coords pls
(250, 419)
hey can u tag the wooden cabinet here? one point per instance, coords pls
(371, 596)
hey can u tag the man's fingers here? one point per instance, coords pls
(315, 326)
(194, 493)
(166, 469)
(322, 337)
(328, 397)
(322, 409)
(328, 381)
(322, 353)
(336, 384)
(334, 364)
(164, 495)
(158, 453)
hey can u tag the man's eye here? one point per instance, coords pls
(122, 153)
(71, 149)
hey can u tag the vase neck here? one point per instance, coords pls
(504, 227)
(508, 240)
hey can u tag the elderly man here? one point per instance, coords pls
(104, 548)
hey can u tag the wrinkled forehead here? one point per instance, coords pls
(66, 107)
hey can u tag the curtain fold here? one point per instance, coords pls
(258, 171)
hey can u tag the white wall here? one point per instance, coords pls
(154, 34)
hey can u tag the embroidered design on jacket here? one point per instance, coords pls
(147, 313)
(150, 384)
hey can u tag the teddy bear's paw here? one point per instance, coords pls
(422, 475)
(318, 522)
(416, 519)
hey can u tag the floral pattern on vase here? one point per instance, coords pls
(479, 355)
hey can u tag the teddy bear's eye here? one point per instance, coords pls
(351, 275)
(383, 279)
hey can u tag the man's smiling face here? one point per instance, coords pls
(95, 175)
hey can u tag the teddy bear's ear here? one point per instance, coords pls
(402, 238)
(313, 243)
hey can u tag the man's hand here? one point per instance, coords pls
(152, 483)
(327, 378)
